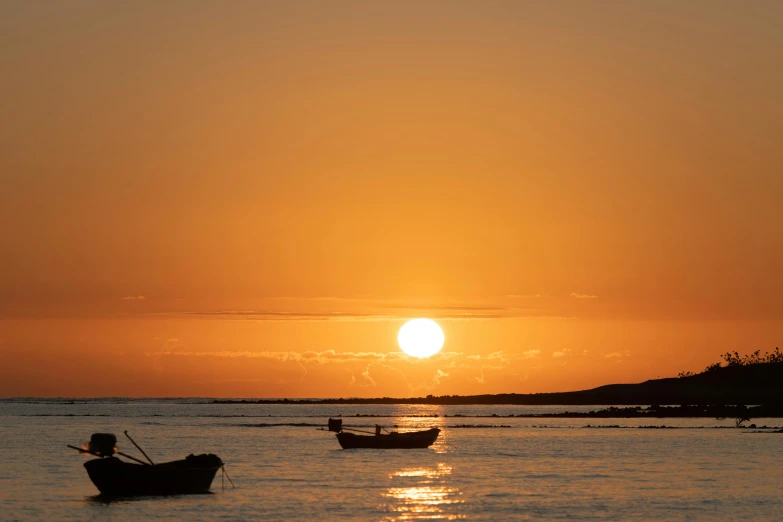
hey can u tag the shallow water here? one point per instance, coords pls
(536, 469)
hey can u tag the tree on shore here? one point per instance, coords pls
(734, 359)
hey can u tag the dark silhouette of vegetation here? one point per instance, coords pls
(733, 359)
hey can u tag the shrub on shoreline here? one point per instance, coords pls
(734, 359)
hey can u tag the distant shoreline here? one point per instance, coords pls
(706, 394)
(612, 412)
(759, 384)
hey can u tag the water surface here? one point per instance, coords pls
(284, 469)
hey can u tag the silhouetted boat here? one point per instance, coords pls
(193, 474)
(115, 477)
(393, 440)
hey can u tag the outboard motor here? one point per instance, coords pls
(336, 425)
(103, 444)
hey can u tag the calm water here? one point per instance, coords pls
(538, 469)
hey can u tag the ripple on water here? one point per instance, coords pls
(422, 493)
(290, 471)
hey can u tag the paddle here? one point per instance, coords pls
(82, 450)
(138, 448)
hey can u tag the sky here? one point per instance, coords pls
(248, 199)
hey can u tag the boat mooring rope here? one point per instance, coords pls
(225, 474)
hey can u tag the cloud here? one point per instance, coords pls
(497, 361)
(271, 315)
(370, 382)
(367, 377)
(353, 377)
(617, 354)
(133, 298)
(325, 357)
(240, 380)
(438, 376)
(366, 369)
(562, 353)
(466, 308)
(348, 309)
(524, 296)
(444, 313)
(582, 296)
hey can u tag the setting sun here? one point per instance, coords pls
(420, 338)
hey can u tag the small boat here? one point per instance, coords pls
(392, 440)
(115, 477)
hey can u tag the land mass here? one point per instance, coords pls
(759, 384)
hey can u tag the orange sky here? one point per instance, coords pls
(582, 194)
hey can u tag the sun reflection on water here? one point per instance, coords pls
(429, 497)
(409, 417)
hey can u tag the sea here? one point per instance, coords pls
(486, 464)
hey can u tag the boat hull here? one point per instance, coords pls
(418, 439)
(115, 477)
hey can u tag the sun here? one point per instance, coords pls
(420, 338)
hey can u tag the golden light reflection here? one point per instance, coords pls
(422, 417)
(431, 497)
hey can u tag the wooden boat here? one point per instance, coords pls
(392, 440)
(115, 477)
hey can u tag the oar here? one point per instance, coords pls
(82, 450)
(132, 458)
(138, 448)
(359, 431)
